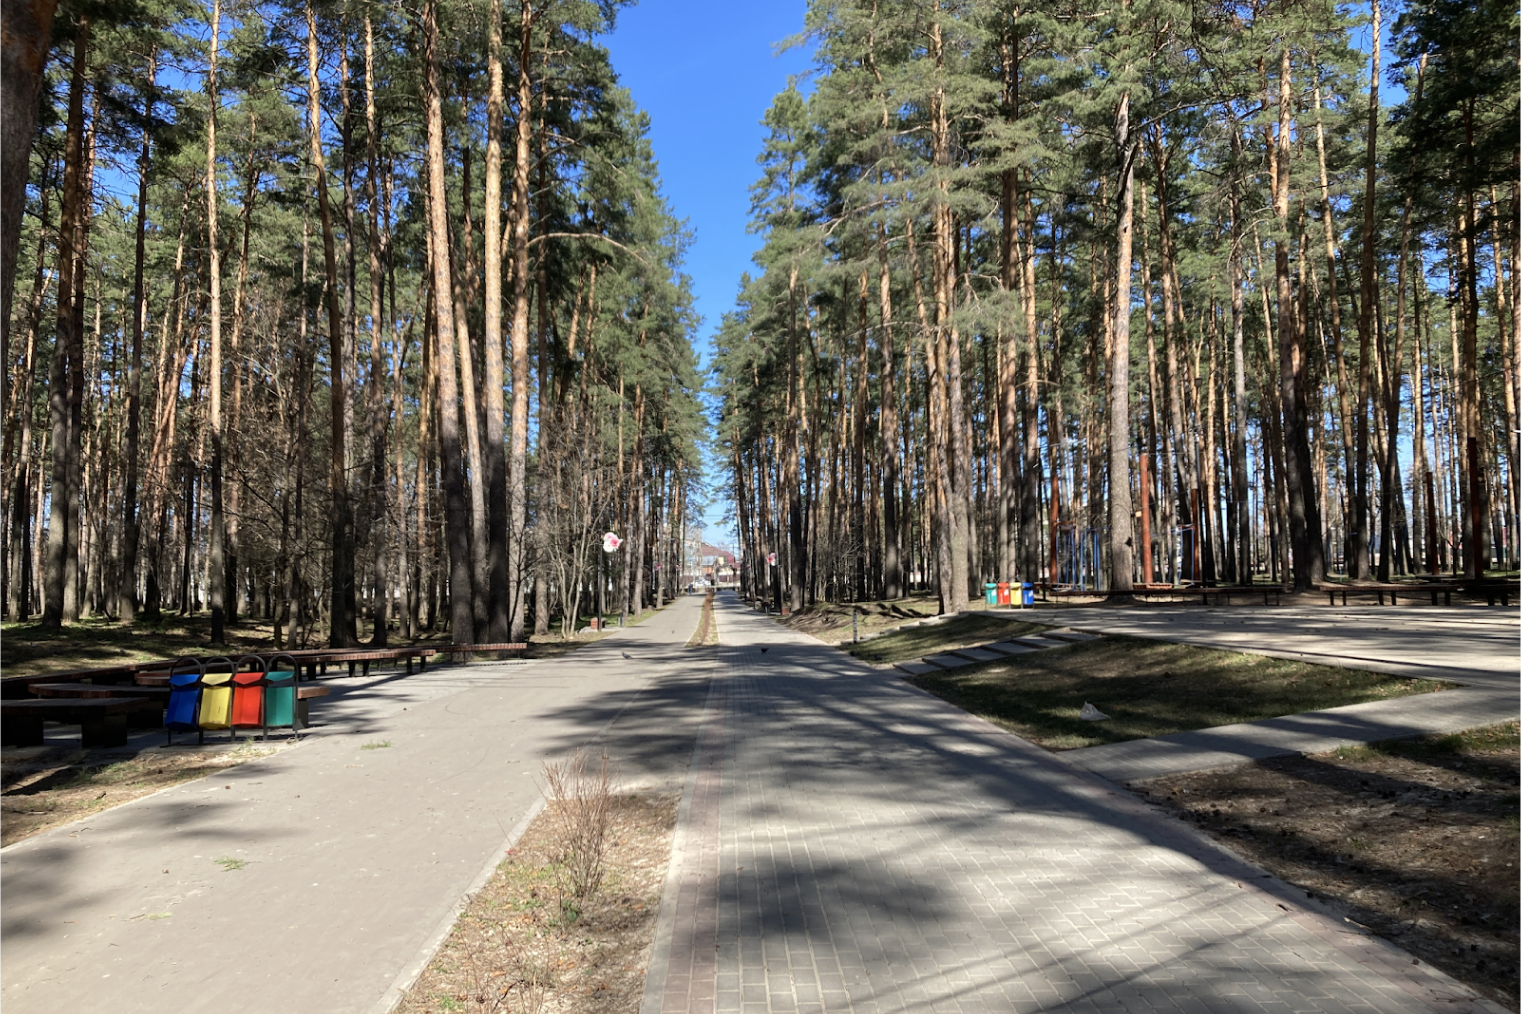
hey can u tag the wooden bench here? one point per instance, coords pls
(102, 720)
(456, 650)
(1491, 590)
(314, 661)
(304, 695)
(1222, 594)
(144, 717)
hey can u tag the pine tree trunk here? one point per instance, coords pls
(218, 563)
(1368, 267)
(498, 595)
(63, 542)
(379, 410)
(1304, 533)
(517, 461)
(1121, 545)
(24, 47)
(456, 511)
(892, 566)
(341, 611)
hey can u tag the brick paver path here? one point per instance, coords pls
(848, 843)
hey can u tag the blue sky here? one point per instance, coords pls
(706, 70)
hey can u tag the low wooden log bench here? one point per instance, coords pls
(456, 650)
(314, 661)
(102, 720)
(1221, 594)
(1491, 590)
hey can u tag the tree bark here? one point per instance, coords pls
(68, 355)
(517, 458)
(26, 33)
(218, 564)
(341, 603)
(379, 410)
(1121, 543)
(498, 595)
(456, 513)
(1365, 320)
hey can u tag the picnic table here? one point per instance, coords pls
(102, 720)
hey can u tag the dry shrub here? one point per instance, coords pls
(581, 809)
(501, 971)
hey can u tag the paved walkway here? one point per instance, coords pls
(848, 843)
(355, 859)
(1469, 644)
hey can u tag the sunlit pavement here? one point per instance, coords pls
(354, 858)
(848, 843)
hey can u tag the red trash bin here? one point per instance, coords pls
(1003, 594)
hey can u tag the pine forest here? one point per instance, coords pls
(1104, 296)
(363, 318)
(367, 318)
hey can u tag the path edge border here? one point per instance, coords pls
(413, 970)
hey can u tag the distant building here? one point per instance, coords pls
(718, 566)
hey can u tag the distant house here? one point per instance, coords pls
(718, 566)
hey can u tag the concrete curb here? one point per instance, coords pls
(414, 968)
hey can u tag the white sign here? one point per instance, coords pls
(771, 559)
(610, 542)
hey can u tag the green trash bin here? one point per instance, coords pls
(990, 593)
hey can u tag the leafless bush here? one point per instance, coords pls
(581, 806)
(502, 972)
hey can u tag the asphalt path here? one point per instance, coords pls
(354, 860)
(1476, 645)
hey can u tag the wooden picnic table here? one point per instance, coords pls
(102, 720)
(89, 691)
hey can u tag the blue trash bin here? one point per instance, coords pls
(990, 593)
(1027, 594)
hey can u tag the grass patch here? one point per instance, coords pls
(1415, 839)
(1150, 688)
(43, 788)
(380, 745)
(228, 863)
(958, 632)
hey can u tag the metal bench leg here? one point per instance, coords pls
(409, 665)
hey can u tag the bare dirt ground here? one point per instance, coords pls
(1415, 839)
(523, 945)
(707, 628)
(831, 622)
(44, 787)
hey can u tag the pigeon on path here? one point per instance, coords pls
(627, 655)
